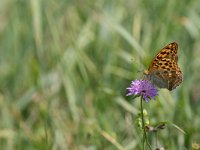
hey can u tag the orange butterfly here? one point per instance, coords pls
(164, 71)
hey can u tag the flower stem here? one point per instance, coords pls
(143, 127)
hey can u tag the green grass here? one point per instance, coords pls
(65, 66)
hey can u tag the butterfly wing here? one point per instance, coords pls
(163, 70)
(166, 79)
(175, 79)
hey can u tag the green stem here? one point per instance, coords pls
(156, 138)
(143, 127)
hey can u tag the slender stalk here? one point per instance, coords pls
(156, 139)
(143, 127)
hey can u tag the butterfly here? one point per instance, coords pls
(164, 71)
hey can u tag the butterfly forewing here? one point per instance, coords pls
(164, 71)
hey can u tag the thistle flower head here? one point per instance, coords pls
(142, 88)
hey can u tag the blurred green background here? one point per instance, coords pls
(65, 66)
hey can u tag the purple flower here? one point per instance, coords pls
(142, 88)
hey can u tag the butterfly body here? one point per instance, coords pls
(164, 71)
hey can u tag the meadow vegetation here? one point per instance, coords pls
(65, 66)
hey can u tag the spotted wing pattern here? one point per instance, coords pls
(164, 71)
